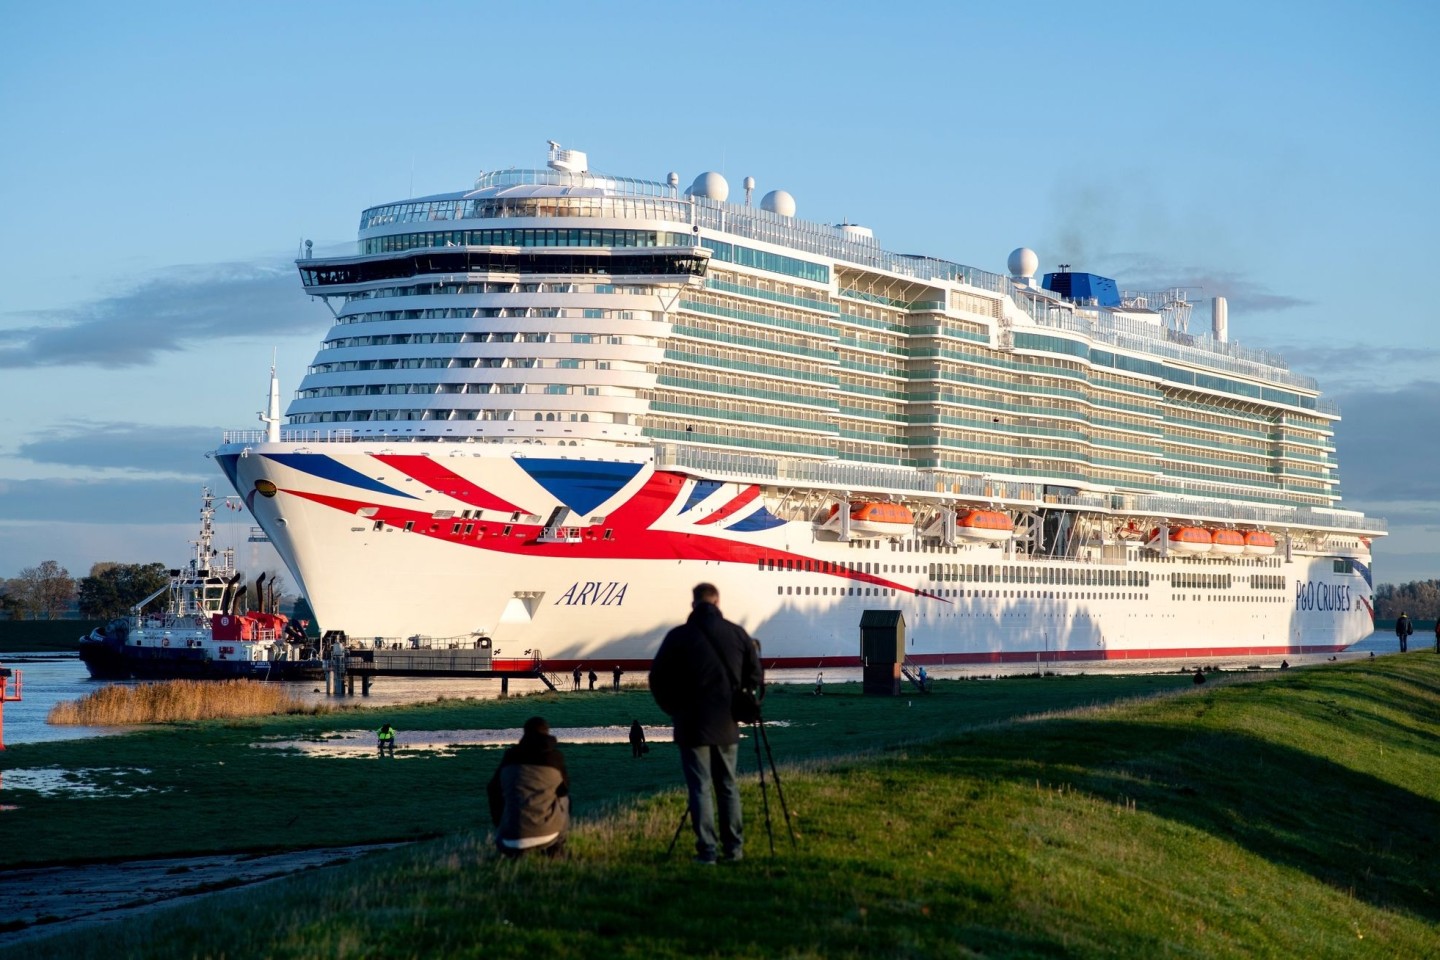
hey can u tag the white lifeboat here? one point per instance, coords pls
(873, 519)
(1184, 541)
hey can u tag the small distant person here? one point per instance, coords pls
(617, 672)
(593, 677)
(530, 795)
(1284, 664)
(385, 740)
(576, 675)
(820, 683)
(693, 679)
(1437, 634)
(1403, 629)
(638, 748)
(1199, 676)
(924, 681)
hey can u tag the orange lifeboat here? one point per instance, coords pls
(986, 525)
(1258, 543)
(873, 519)
(1186, 541)
(1226, 542)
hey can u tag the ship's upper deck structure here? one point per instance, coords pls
(564, 307)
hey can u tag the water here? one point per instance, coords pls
(48, 679)
(52, 678)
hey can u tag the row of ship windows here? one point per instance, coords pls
(437, 289)
(933, 545)
(1003, 594)
(439, 363)
(992, 573)
(354, 416)
(525, 238)
(620, 208)
(470, 260)
(488, 313)
(410, 339)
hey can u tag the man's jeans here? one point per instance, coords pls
(701, 766)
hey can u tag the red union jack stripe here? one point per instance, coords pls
(740, 502)
(628, 533)
(437, 477)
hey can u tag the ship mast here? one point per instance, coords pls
(271, 416)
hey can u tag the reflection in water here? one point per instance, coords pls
(361, 743)
(85, 781)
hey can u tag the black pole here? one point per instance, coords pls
(779, 791)
(764, 794)
(678, 827)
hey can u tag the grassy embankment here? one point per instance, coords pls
(44, 636)
(1291, 816)
(175, 701)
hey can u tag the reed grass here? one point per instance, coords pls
(173, 701)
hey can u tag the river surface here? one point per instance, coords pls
(51, 678)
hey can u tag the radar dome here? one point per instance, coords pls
(710, 185)
(778, 201)
(1023, 262)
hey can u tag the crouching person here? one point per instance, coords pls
(530, 795)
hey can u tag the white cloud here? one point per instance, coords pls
(183, 307)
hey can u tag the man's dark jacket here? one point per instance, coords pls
(529, 793)
(690, 683)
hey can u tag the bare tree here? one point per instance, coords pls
(46, 589)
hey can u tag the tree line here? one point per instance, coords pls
(45, 591)
(1420, 599)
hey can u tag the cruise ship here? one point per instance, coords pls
(552, 403)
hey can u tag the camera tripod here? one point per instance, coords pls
(761, 738)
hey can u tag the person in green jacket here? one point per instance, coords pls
(385, 740)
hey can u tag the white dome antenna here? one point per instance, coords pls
(1023, 263)
(749, 189)
(711, 186)
(778, 201)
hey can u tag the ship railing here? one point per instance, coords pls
(881, 480)
(1115, 330)
(294, 435)
(466, 642)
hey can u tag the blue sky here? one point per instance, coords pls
(162, 163)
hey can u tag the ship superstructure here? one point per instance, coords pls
(551, 404)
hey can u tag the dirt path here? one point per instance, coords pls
(40, 901)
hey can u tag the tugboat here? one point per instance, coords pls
(202, 630)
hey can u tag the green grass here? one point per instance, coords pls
(1292, 815)
(43, 636)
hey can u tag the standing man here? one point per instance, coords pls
(576, 675)
(638, 748)
(1403, 629)
(616, 673)
(593, 677)
(1437, 634)
(693, 679)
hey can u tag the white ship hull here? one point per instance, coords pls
(450, 543)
